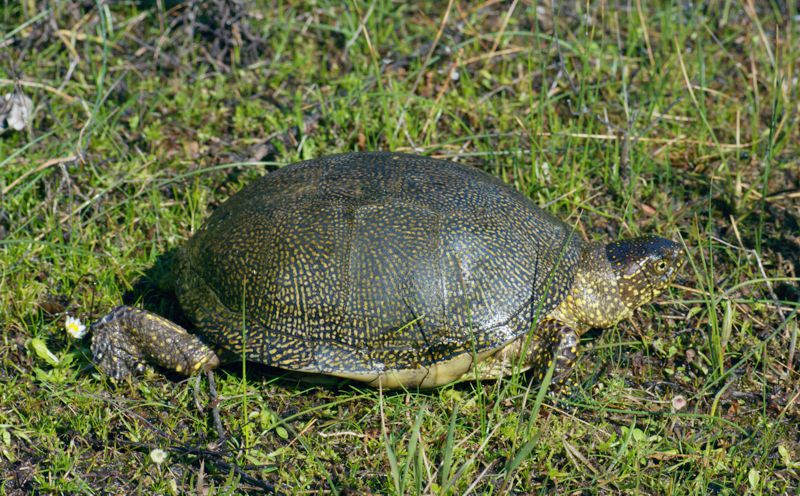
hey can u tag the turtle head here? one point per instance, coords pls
(643, 267)
(613, 280)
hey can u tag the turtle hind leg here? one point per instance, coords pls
(126, 340)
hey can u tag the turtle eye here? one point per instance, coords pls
(661, 265)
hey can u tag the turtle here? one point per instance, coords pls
(391, 269)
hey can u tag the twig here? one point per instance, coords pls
(502, 31)
(646, 34)
(488, 56)
(343, 433)
(439, 96)
(751, 13)
(480, 476)
(55, 91)
(41, 167)
(613, 137)
(212, 388)
(213, 457)
(361, 26)
(401, 119)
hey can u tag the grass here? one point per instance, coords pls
(649, 117)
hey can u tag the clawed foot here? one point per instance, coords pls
(127, 339)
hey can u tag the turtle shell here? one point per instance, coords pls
(363, 263)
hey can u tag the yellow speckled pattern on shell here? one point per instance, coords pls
(361, 263)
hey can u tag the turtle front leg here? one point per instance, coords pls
(128, 339)
(551, 341)
(559, 344)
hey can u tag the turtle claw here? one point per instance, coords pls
(112, 349)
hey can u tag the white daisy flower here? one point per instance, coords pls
(75, 327)
(158, 456)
